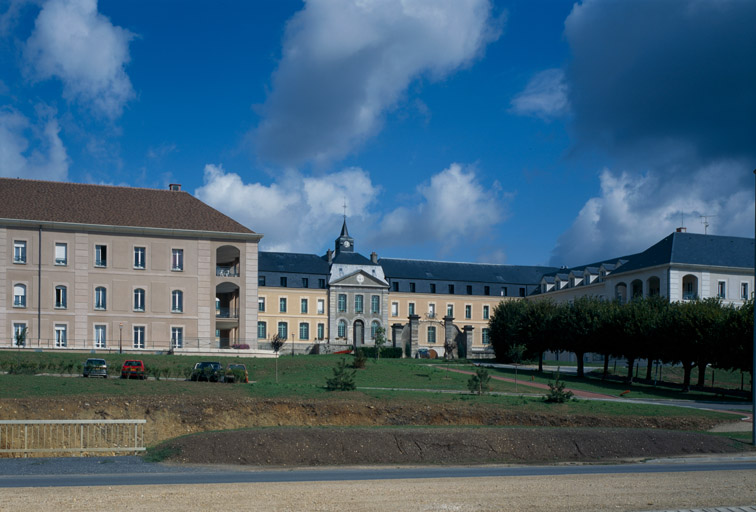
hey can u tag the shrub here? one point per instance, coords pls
(359, 359)
(342, 380)
(478, 383)
(557, 394)
(386, 352)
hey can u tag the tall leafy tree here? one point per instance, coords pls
(506, 326)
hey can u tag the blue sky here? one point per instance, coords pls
(521, 132)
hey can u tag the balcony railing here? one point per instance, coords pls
(226, 271)
(226, 313)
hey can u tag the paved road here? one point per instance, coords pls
(114, 471)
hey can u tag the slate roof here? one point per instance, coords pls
(683, 248)
(351, 258)
(470, 272)
(291, 263)
(102, 205)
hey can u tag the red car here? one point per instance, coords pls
(133, 369)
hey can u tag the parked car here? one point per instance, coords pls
(207, 370)
(95, 368)
(236, 371)
(133, 368)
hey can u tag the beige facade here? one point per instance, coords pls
(298, 314)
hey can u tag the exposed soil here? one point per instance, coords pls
(579, 438)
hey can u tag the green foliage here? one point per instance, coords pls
(277, 342)
(343, 379)
(556, 393)
(20, 337)
(386, 352)
(360, 359)
(380, 341)
(479, 382)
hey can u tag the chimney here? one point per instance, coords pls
(374, 257)
(681, 230)
(175, 187)
(330, 256)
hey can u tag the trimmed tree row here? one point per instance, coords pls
(692, 334)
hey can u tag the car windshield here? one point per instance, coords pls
(96, 362)
(132, 363)
(236, 367)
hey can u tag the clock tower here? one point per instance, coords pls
(344, 243)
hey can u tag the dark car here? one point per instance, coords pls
(207, 370)
(236, 372)
(133, 369)
(95, 368)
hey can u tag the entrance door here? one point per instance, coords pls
(359, 333)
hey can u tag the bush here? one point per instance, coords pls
(386, 352)
(557, 394)
(342, 380)
(478, 383)
(359, 359)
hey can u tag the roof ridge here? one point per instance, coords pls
(466, 263)
(103, 185)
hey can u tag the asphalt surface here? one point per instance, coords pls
(111, 471)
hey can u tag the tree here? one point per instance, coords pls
(380, 341)
(343, 379)
(277, 342)
(20, 337)
(505, 326)
(478, 383)
(535, 330)
(577, 326)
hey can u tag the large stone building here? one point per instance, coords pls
(100, 267)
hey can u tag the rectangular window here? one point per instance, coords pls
(305, 282)
(321, 306)
(139, 299)
(486, 290)
(321, 284)
(358, 304)
(261, 304)
(433, 287)
(394, 309)
(303, 306)
(19, 251)
(412, 287)
(139, 255)
(342, 303)
(450, 310)
(468, 311)
(60, 335)
(485, 335)
(61, 300)
(451, 289)
(99, 336)
(485, 312)
(20, 334)
(341, 329)
(522, 292)
(138, 336)
(260, 280)
(177, 301)
(19, 296)
(262, 330)
(321, 331)
(744, 291)
(721, 290)
(282, 305)
(61, 254)
(304, 331)
(469, 289)
(101, 255)
(431, 334)
(395, 286)
(375, 304)
(411, 308)
(431, 310)
(177, 337)
(283, 282)
(283, 330)
(177, 260)
(504, 292)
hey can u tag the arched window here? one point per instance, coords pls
(19, 295)
(342, 329)
(139, 296)
(100, 298)
(177, 301)
(61, 299)
(374, 325)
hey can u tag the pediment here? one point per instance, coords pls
(359, 278)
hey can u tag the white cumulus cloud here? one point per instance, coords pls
(545, 96)
(454, 207)
(344, 63)
(47, 161)
(76, 44)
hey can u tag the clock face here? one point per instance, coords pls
(360, 278)
(346, 243)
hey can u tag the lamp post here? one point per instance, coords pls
(120, 338)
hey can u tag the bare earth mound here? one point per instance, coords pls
(353, 446)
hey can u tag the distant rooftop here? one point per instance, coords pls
(471, 272)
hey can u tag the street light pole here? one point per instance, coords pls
(120, 338)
